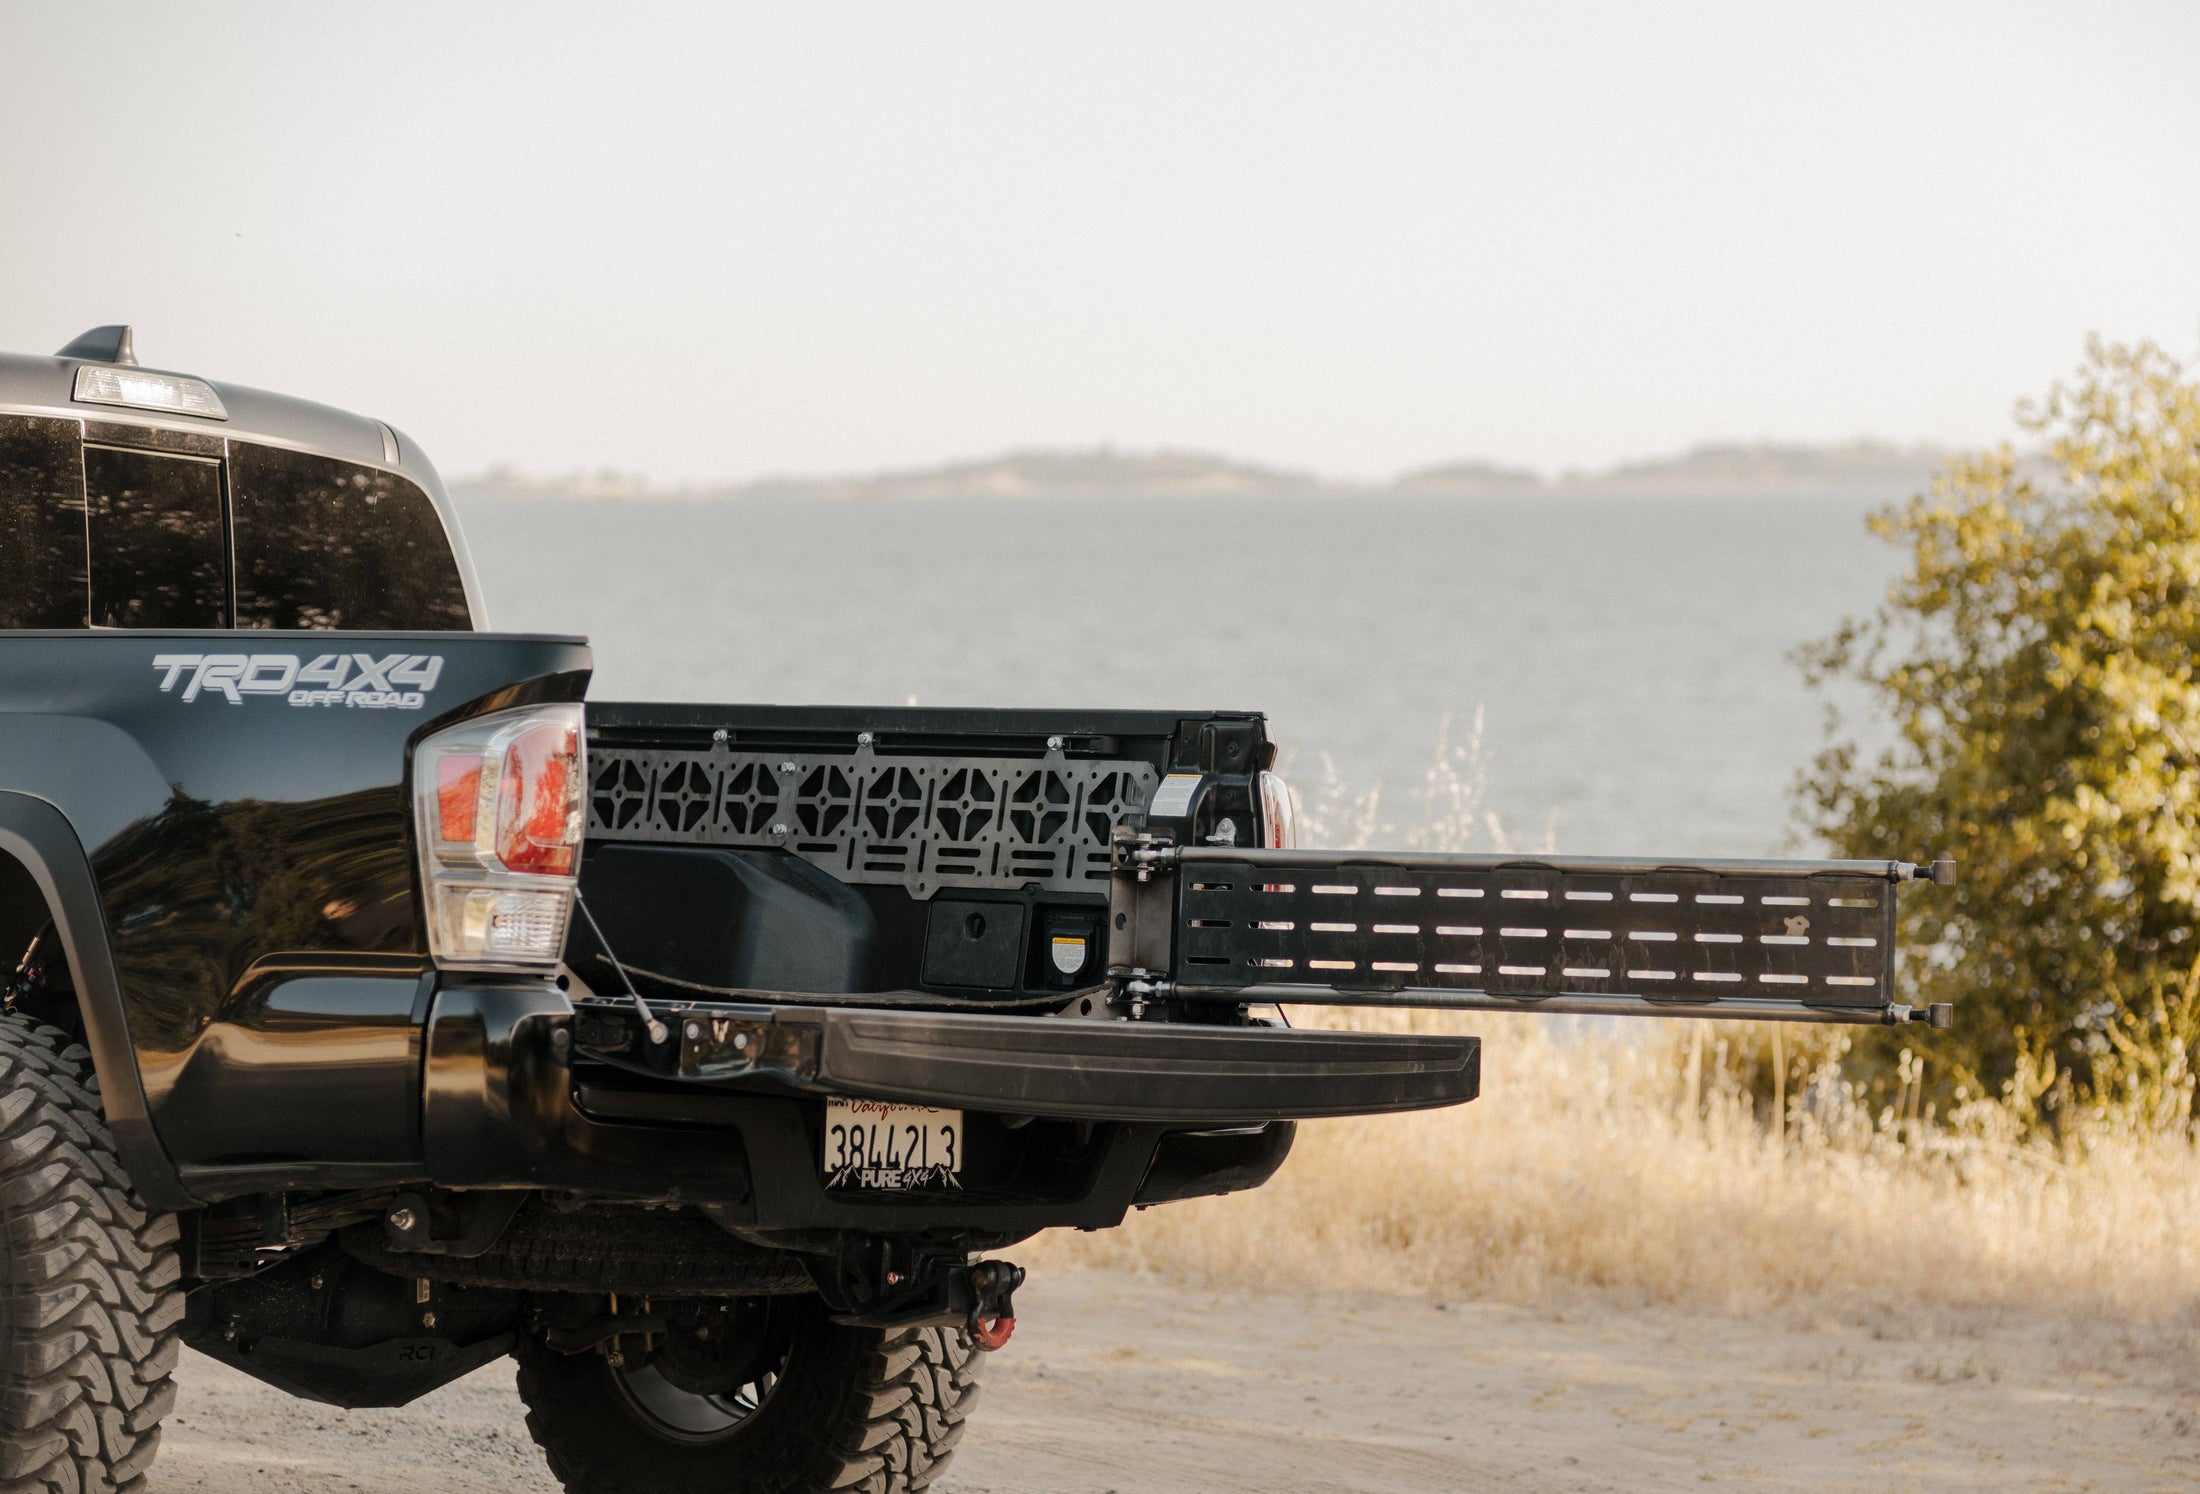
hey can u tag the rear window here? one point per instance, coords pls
(156, 539)
(115, 526)
(42, 580)
(324, 544)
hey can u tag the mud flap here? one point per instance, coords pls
(1806, 941)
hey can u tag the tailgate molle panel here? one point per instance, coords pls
(923, 823)
(1809, 934)
(1109, 1070)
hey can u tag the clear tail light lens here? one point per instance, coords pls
(1279, 814)
(498, 803)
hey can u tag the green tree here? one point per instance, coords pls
(2037, 663)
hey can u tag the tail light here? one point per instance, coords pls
(499, 803)
(1279, 814)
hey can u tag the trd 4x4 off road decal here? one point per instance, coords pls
(400, 682)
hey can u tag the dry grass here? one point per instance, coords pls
(1586, 1166)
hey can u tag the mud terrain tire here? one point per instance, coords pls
(89, 1306)
(855, 1411)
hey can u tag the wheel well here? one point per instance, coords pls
(23, 910)
(45, 988)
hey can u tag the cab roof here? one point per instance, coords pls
(33, 385)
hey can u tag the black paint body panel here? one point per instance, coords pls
(329, 1043)
(253, 884)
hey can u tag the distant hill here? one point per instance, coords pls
(1472, 480)
(1867, 468)
(1100, 472)
(1863, 468)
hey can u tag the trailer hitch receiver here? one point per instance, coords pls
(888, 1281)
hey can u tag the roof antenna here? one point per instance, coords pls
(103, 345)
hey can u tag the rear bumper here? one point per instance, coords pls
(1108, 1070)
(1067, 1121)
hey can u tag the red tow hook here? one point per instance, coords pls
(993, 1313)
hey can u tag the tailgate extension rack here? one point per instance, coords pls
(1778, 941)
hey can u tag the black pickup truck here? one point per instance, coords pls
(378, 1010)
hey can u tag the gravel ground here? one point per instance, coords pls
(1144, 1387)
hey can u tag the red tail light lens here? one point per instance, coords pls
(538, 825)
(457, 794)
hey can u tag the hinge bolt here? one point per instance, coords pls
(1054, 744)
(403, 1219)
(863, 739)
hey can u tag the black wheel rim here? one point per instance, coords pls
(685, 1415)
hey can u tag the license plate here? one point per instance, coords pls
(871, 1144)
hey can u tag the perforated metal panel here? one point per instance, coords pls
(1703, 934)
(924, 823)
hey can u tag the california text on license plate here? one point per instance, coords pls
(872, 1144)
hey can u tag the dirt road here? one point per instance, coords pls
(1142, 1387)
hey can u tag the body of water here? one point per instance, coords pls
(1632, 656)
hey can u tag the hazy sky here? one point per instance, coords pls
(724, 240)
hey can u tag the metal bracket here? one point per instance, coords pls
(463, 1224)
(1141, 913)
